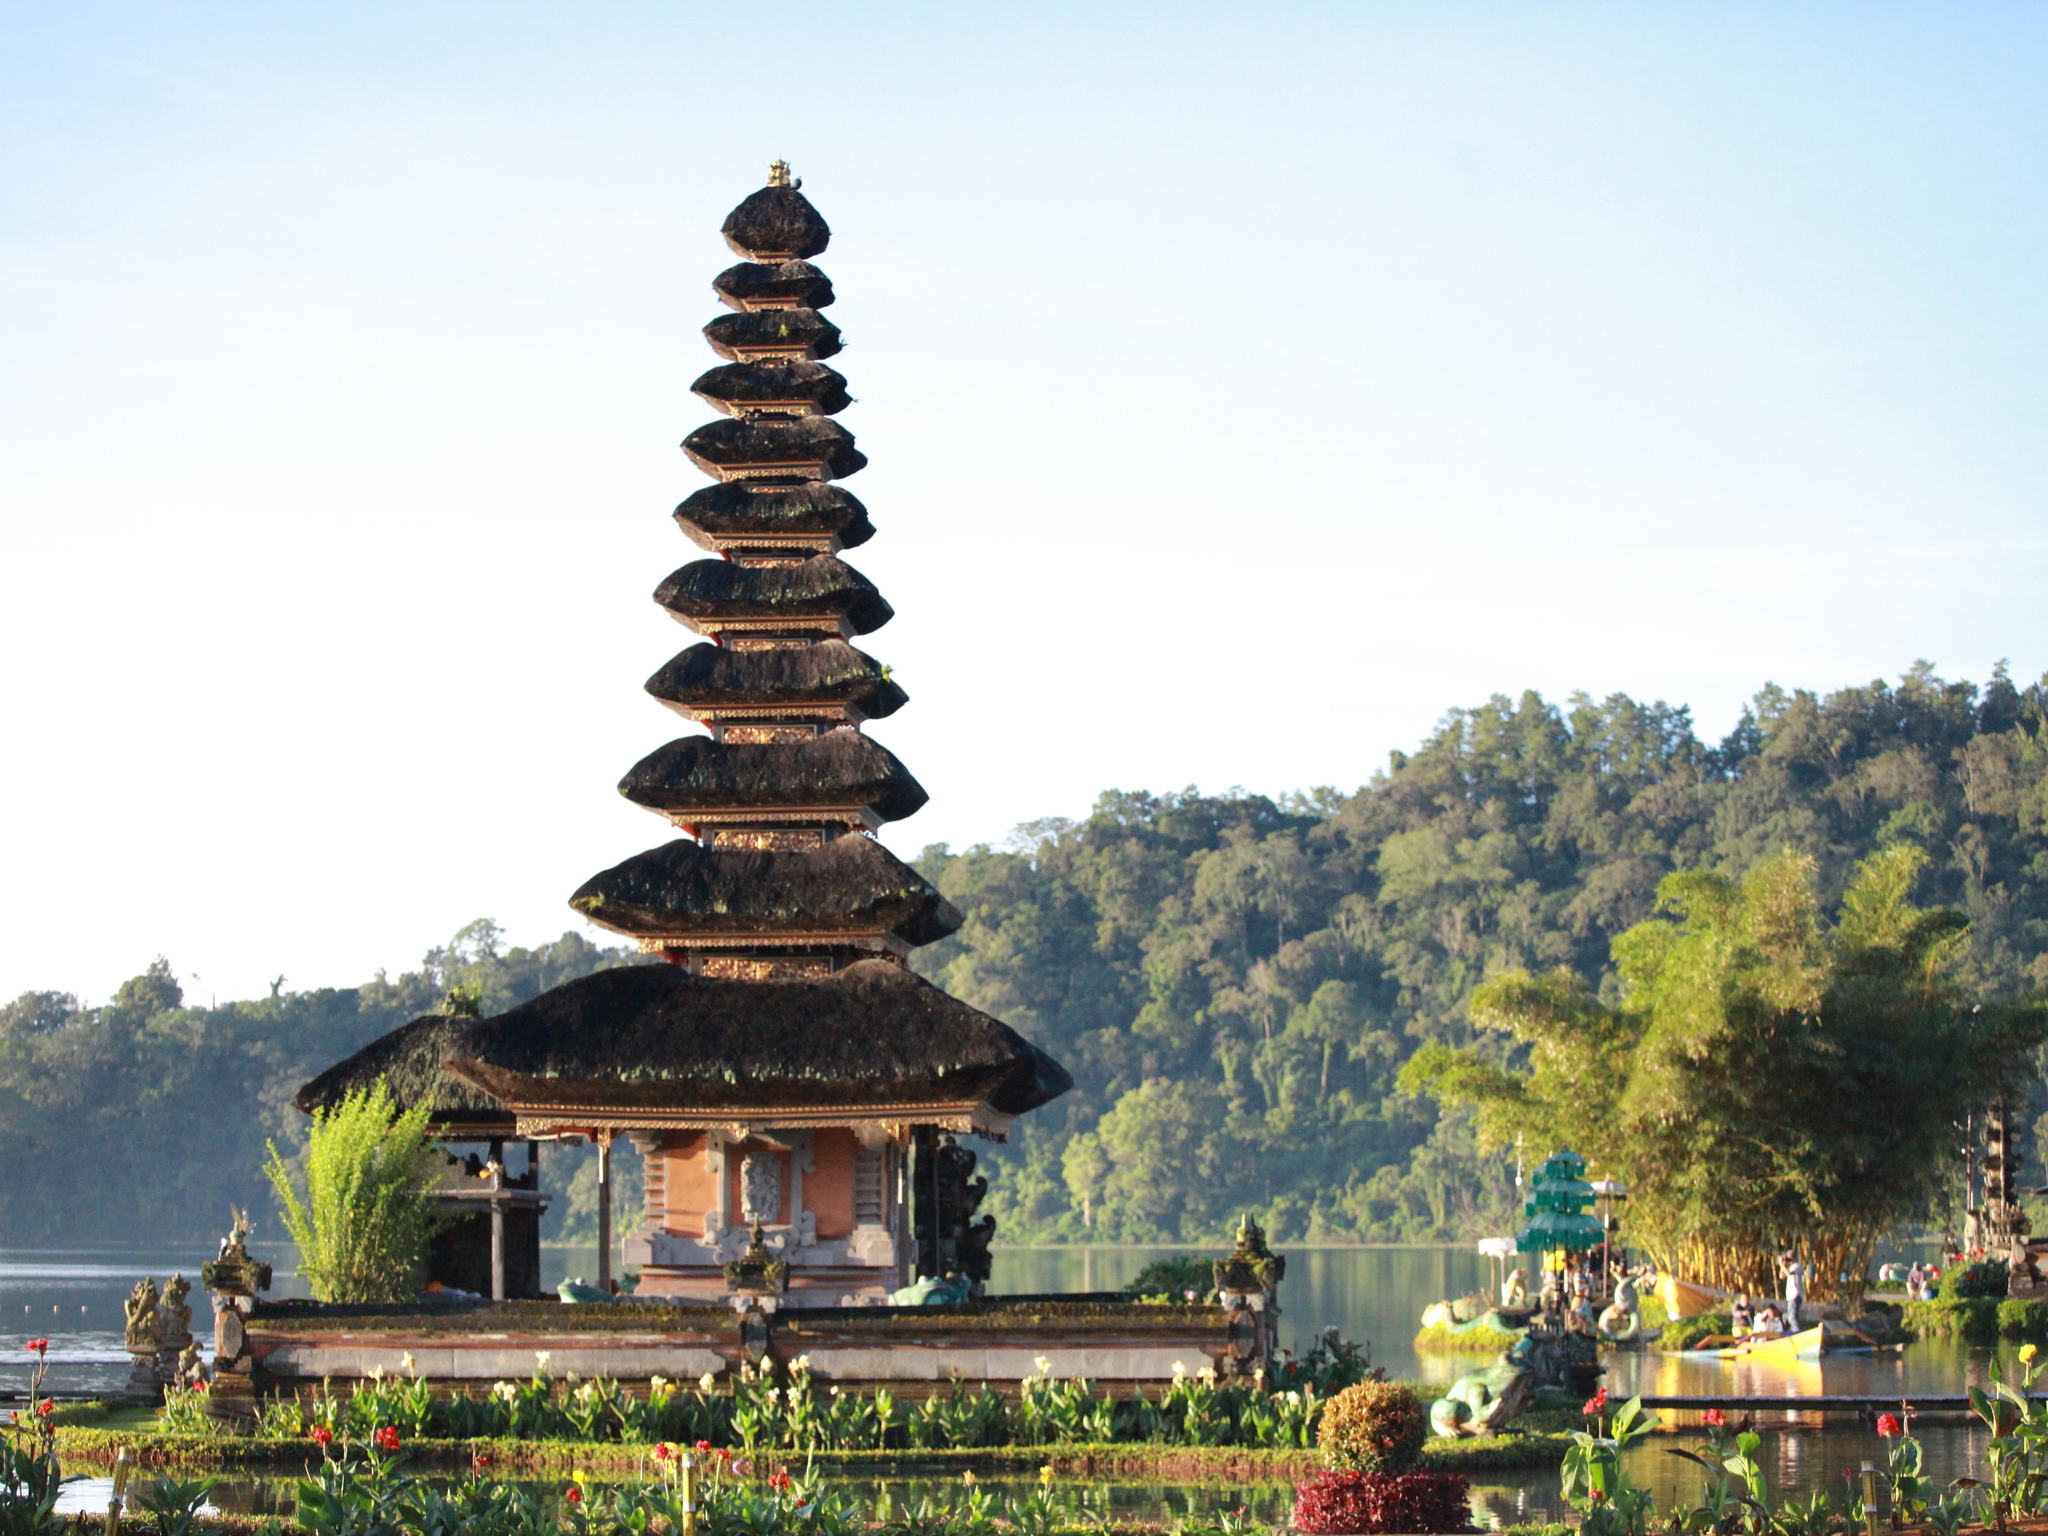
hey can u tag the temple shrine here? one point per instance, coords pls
(800, 1097)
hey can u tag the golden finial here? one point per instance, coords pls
(778, 174)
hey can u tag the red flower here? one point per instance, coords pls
(664, 1451)
(198, 1386)
(386, 1439)
(1888, 1425)
(779, 1481)
(1715, 1418)
(480, 1462)
(46, 1408)
(574, 1495)
(704, 1446)
(1598, 1495)
(39, 1346)
(322, 1436)
(724, 1454)
(1597, 1403)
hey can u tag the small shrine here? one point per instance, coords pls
(801, 1099)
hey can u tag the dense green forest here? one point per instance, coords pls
(1234, 980)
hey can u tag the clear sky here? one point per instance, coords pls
(1244, 386)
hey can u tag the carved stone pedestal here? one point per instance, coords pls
(233, 1280)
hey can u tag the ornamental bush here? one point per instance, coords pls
(1376, 1426)
(364, 1223)
(1966, 1282)
(1367, 1503)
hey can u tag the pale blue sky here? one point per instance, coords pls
(1244, 387)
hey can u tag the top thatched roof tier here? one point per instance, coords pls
(830, 672)
(783, 332)
(776, 224)
(818, 588)
(852, 885)
(725, 514)
(409, 1059)
(658, 1036)
(735, 386)
(695, 773)
(752, 284)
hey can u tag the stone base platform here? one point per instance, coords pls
(999, 1342)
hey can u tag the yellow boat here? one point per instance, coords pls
(1688, 1298)
(1807, 1344)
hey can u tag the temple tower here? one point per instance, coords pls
(800, 1096)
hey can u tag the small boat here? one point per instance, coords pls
(1814, 1343)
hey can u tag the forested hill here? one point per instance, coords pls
(1233, 980)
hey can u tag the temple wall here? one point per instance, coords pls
(688, 1188)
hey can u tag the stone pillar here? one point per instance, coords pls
(233, 1280)
(1246, 1284)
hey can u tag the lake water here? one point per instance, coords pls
(73, 1297)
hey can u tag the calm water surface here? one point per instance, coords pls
(73, 1297)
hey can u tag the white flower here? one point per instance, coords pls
(505, 1390)
(1180, 1369)
(775, 1394)
(376, 1373)
(541, 1357)
(1044, 1366)
(405, 1362)
(658, 1383)
(1207, 1373)
(707, 1382)
(801, 1363)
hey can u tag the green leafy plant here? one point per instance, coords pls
(1376, 1426)
(1608, 1502)
(173, 1507)
(363, 1225)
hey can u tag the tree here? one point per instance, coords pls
(1767, 1079)
(363, 1225)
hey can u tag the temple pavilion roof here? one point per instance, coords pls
(829, 672)
(851, 886)
(870, 1036)
(408, 1059)
(738, 388)
(759, 284)
(776, 224)
(818, 588)
(814, 447)
(728, 513)
(839, 768)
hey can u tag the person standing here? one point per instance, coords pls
(1795, 1288)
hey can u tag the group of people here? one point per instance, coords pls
(1922, 1280)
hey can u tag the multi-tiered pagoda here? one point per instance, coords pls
(795, 1089)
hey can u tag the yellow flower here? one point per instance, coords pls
(967, 1478)
(1045, 1475)
(2027, 1353)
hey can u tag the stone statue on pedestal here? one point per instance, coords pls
(174, 1326)
(233, 1280)
(142, 1337)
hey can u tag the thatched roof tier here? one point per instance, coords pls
(818, 588)
(725, 514)
(408, 1059)
(695, 773)
(753, 284)
(813, 447)
(851, 885)
(781, 332)
(776, 224)
(736, 386)
(651, 1036)
(830, 672)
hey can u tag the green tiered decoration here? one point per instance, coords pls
(1558, 1208)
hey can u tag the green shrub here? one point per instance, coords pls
(1974, 1321)
(1174, 1277)
(364, 1224)
(2023, 1318)
(1376, 1426)
(1688, 1332)
(1965, 1282)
